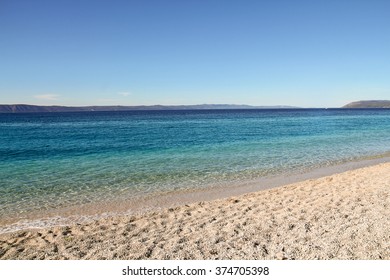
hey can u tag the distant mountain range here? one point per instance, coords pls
(369, 104)
(23, 108)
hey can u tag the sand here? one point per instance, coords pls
(342, 216)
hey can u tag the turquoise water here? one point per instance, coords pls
(56, 160)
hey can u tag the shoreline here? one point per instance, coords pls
(96, 211)
(341, 216)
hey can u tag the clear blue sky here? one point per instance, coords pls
(304, 53)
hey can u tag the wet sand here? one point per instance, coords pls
(341, 216)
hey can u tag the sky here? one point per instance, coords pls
(144, 52)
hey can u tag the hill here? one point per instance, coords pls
(369, 104)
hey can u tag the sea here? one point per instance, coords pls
(55, 161)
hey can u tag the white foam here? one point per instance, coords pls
(50, 222)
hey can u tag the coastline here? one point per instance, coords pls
(345, 215)
(68, 216)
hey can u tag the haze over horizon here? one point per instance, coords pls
(261, 53)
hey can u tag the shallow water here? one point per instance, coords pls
(57, 160)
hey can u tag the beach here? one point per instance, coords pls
(341, 216)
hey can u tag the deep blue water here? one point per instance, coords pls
(54, 160)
